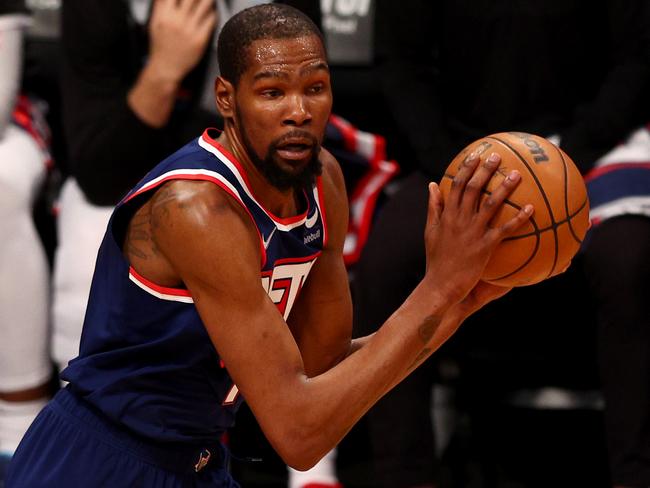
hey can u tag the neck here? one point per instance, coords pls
(281, 203)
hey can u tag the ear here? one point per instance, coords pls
(224, 93)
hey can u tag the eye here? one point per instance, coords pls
(271, 93)
(316, 89)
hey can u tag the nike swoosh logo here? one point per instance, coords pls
(311, 221)
(268, 239)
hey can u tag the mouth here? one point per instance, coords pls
(295, 151)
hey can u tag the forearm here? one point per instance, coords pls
(153, 96)
(448, 326)
(319, 411)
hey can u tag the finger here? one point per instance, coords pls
(516, 222)
(477, 182)
(436, 205)
(185, 6)
(464, 173)
(204, 9)
(208, 20)
(493, 201)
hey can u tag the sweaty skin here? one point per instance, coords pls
(308, 383)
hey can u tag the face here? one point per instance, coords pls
(282, 104)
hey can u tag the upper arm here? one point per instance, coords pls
(321, 319)
(211, 243)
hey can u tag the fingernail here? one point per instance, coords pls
(514, 175)
(494, 158)
(528, 209)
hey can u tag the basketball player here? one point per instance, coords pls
(178, 330)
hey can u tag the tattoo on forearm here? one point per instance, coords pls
(428, 328)
(425, 331)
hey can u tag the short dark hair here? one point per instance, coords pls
(266, 21)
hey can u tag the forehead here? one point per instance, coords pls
(284, 54)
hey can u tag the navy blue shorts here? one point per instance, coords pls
(70, 444)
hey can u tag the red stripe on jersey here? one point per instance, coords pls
(304, 259)
(178, 292)
(595, 173)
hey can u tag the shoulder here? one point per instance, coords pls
(197, 202)
(200, 211)
(181, 226)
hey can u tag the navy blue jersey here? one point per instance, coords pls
(146, 360)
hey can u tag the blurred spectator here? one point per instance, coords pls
(454, 71)
(131, 92)
(25, 367)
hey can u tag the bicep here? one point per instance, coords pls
(214, 248)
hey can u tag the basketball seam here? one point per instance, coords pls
(536, 233)
(550, 227)
(544, 196)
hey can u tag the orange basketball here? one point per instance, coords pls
(545, 245)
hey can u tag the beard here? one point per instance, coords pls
(271, 164)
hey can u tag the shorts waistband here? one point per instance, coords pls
(180, 458)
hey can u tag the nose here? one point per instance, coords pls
(298, 113)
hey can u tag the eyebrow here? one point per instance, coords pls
(272, 73)
(315, 67)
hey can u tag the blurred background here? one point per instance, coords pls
(549, 386)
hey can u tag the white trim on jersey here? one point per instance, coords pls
(633, 205)
(177, 173)
(157, 294)
(224, 159)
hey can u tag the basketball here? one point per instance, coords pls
(545, 245)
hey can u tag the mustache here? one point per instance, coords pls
(295, 134)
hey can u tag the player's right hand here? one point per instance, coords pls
(458, 238)
(179, 31)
